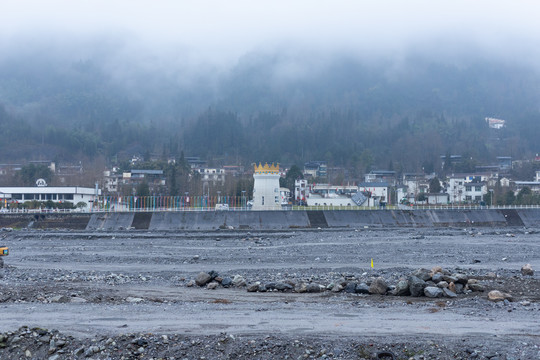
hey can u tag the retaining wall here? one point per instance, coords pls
(275, 220)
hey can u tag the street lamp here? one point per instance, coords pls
(243, 198)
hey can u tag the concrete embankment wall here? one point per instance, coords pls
(274, 220)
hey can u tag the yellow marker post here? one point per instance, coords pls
(372, 263)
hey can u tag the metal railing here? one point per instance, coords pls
(158, 207)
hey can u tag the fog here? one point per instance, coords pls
(219, 33)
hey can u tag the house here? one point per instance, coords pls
(212, 175)
(381, 176)
(415, 184)
(495, 123)
(155, 179)
(315, 169)
(466, 188)
(438, 199)
(331, 195)
(377, 192)
(533, 185)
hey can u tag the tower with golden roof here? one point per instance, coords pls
(266, 187)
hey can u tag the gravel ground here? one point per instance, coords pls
(133, 295)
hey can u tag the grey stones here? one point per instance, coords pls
(438, 277)
(402, 288)
(313, 288)
(449, 293)
(238, 281)
(202, 279)
(422, 274)
(433, 292)
(416, 286)
(378, 286)
(226, 282)
(527, 270)
(461, 278)
(350, 288)
(281, 286)
(253, 287)
(476, 287)
(362, 288)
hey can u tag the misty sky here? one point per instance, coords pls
(223, 31)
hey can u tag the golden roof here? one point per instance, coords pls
(266, 169)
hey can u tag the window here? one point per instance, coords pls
(468, 188)
(16, 196)
(468, 197)
(477, 188)
(477, 198)
(68, 196)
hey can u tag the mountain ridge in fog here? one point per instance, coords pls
(302, 104)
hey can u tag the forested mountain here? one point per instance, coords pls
(285, 107)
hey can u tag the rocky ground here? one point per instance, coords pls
(271, 295)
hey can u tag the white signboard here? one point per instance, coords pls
(41, 182)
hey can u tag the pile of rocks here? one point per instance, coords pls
(212, 280)
(433, 283)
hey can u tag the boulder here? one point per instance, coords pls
(378, 286)
(402, 288)
(461, 278)
(202, 278)
(416, 286)
(253, 287)
(476, 287)
(300, 288)
(422, 274)
(527, 270)
(226, 282)
(350, 288)
(459, 288)
(496, 295)
(442, 284)
(212, 285)
(337, 288)
(433, 292)
(362, 288)
(281, 286)
(437, 278)
(450, 278)
(435, 270)
(239, 281)
(449, 293)
(452, 287)
(313, 288)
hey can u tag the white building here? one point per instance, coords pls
(212, 175)
(72, 194)
(466, 188)
(301, 191)
(378, 192)
(284, 196)
(266, 194)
